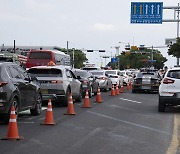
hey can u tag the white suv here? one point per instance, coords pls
(169, 89)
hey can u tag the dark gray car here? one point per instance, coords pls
(88, 82)
(18, 89)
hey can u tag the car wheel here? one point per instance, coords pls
(38, 106)
(79, 99)
(66, 98)
(90, 92)
(161, 105)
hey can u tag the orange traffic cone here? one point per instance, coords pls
(70, 110)
(86, 101)
(117, 90)
(121, 90)
(112, 91)
(12, 128)
(130, 85)
(98, 97)
(127, 86)
(49, 120)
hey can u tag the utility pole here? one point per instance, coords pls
(73, 59)
(67, 47)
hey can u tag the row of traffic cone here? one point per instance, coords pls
(117, 91)
(13, 133)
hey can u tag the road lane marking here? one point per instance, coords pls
(174, 141)
(130, 123)
(130, 100)
(84, 139)
(25, 122)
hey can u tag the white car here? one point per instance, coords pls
(169, 89)
(127, 77)
(103, 79)
(115, 76)
(57, 82)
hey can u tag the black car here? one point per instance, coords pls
(88, 81)
(19, 90)
(146, 81)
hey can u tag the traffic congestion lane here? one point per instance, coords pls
(114, 126)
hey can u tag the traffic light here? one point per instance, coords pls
(141, 48)
(101, 50)
(127, 47)
(89, 50)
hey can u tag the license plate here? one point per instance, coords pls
(146, 87)
(44, 91)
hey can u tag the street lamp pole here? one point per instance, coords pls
(73, 59)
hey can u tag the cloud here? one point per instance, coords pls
(104, 27)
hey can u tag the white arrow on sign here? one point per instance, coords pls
(158, 9)
(146, 9)
(152, 9)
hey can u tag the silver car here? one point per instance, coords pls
(57, 82)
(103, 79)
(116, 77)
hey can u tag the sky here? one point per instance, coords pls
(85, 24)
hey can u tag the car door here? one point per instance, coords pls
(30, 87)
(19, 84)
(73, 83)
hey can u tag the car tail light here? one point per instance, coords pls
(102, 78)
(3, 84)
(168, 81)
(85, 82)
(56, 81)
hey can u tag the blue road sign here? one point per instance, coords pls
(146, 12)
(114, 60)
(152, 61)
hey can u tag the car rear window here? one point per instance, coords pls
(81, 74)
(111, 72)
(145, 75)
(174, 74)
(97, 73)
(40, 55)
(46, 72)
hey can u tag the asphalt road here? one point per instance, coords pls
(124, 124)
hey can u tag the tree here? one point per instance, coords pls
(174, 49)
(79, 56)
(138, 59)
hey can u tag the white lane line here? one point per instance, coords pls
(26, 122)
(130, 100)
(173, 147)
(130, 123)
(84, 139)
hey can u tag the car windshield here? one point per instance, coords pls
(111, 72)
(45, 72)
(97, 73)
(174, 74)
(81, 74)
